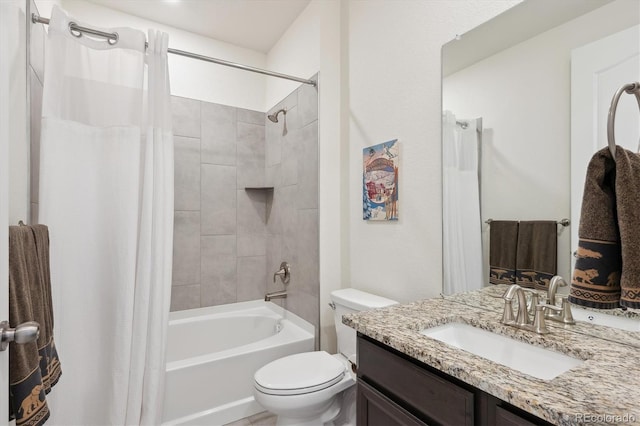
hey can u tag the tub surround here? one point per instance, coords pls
(490, 298)
(246, 200)
(602, 385)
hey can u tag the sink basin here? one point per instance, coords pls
(600, 318)
(532, 360)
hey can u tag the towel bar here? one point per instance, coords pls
(631, 88)
(564, 222)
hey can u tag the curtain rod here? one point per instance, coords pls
(112, 38)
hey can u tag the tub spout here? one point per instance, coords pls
(282, 294)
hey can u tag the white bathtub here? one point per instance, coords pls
(212, 354)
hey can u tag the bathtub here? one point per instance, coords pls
(212, 354)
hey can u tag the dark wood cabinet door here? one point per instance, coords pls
(507, 418)
(375, 409)
(424, 393)
(394, 389)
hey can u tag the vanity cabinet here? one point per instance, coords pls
(394, 389)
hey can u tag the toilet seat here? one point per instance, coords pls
(300, 374)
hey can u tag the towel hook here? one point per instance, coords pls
(631, 88)
(21, 223)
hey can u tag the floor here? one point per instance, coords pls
(261, 419)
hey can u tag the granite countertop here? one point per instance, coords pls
(490, 298)
(606, 384)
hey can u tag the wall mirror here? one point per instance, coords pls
(507, 126)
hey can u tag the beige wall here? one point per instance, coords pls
(394, 85)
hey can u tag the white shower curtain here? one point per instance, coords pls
(462, 255)
(106, 193)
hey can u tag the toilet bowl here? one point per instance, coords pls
(316, 388)
(304, 389)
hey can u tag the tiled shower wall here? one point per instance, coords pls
(219, 252)
(229, 240)
(292, 213)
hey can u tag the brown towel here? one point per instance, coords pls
(33, 367)
(537, 253)
(503, 239)
(628, 207)
(49, 362)
(596, 277)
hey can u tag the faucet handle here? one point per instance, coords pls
(567, 316)
(284, 273)
(507, 313)
(535, 300)
(539, 324)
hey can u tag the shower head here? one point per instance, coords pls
(274, 117)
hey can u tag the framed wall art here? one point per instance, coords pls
(380, 181)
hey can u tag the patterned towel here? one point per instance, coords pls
(628, 207)
(503, 239)
(596, 277)
(537, 253)
(33, 367)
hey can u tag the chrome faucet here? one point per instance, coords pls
(522, 319)
(564, 314)
(507, 314)
(556, 281)
(282, 294)
(522, 315)
(285, 276)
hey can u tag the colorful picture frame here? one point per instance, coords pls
(380, 192)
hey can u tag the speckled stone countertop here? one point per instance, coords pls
(605, 386)
(490, 298)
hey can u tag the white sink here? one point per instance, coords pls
(532, 360)
(600, 318)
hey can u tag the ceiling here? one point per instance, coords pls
(515, 25)
(254, 24)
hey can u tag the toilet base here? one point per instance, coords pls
(332, 406)
(325, 419)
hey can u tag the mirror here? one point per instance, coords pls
(507, 126)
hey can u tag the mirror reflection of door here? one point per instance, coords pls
(597, 71)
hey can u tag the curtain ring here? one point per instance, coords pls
(113, 39)
(73, 30)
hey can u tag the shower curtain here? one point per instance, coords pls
(462, 255)
(106, 193)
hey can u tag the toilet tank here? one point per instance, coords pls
(349, 300)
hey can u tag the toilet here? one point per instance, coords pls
(316, 388)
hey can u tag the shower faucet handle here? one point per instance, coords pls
(284, 273)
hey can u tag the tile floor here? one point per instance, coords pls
(261, 419)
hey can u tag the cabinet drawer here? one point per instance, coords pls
(375, 409)
(424, 393)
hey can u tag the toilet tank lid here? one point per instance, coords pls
(359, 300)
